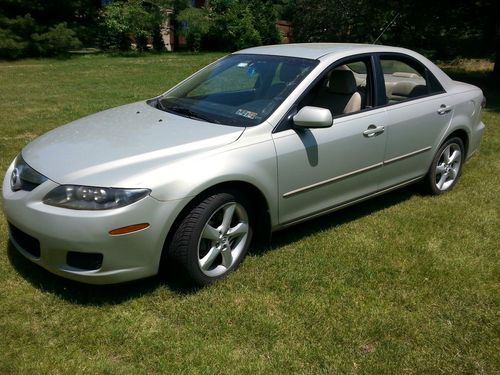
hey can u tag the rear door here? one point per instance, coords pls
(418, 114)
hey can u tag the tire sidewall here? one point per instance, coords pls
(206, 209)
(431, 179)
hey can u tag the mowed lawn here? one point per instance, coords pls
(401, 284)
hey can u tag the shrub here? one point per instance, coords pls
(12, 46)
(195, 23)
(57, 40)
(232, 27)
(138, 18)
(15, 36)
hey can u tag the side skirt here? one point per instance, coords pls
(345, 204)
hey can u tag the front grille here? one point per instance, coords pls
(84, 261)
(25, 241)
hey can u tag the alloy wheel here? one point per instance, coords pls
(448, 167)
(223, 239)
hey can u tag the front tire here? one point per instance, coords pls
(213, 237)
(446, 167)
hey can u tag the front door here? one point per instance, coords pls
(319, 169)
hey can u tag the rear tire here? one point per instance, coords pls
(446, 167)
(214, 236)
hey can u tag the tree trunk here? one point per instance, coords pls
(496, 67)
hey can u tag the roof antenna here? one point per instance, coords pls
(392, 22)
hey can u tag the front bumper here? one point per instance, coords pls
(63, 232)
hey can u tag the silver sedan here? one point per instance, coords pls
(259, 140)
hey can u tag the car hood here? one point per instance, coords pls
(109, 147)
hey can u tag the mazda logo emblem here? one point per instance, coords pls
(15, 180)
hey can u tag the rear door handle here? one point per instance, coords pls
(373, 130)
(444, 109)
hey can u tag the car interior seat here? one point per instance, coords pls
(341, 94)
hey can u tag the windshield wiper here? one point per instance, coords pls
(189, 113)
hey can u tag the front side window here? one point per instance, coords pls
(406, 79)
(344, 89)
(239, 90)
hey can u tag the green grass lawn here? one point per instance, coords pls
(401, 284)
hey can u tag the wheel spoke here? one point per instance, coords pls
(210, 233)
(208, 259)
(227, 258)
(237, 230)
(453, 173)
(442, 180)
(440, 169)
(455, 156)
(228, 217)
(446, 154)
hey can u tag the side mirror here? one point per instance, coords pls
(313, 117)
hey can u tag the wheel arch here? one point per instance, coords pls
(263, 226)
(463, 135)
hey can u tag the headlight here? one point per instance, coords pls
(24, 177)
(92, 198)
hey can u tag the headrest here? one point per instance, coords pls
(342, 82)
(419, 90)
(402, 88)
(288, 72)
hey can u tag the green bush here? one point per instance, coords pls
(12, 46)
(265, 21)
(120, 20)
(15, 36)
(57, 40)
(232, 26)
(195, 25)
(22, 36)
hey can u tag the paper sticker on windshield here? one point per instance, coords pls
(247, 114)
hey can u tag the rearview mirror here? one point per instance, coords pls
(313, 117)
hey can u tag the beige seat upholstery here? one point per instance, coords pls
(341, 95)
(402, 90)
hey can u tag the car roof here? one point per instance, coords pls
(331, 51)
(318, 50)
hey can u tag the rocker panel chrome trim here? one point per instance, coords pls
(331, 180)
(349, 203)
(397, 158)
(350, 174)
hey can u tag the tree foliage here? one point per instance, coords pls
(123, 19)
(46, 28)
(228, 25)
(195, 24)
(445, 28)
(232, 26)
(22, 36)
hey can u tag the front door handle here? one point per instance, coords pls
(373, 130)
(444, 109)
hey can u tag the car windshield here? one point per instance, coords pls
(239, 90)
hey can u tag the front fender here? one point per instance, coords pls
(254, 164)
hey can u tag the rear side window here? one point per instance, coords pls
(406, 79)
